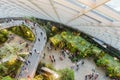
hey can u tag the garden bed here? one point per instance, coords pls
(80, 48)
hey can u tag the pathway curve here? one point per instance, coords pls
(29, 67)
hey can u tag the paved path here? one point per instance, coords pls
(79, 74)
(29, 67)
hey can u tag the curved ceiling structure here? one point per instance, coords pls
(97, 18)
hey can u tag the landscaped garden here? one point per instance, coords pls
(23, 31)
(63, 38)
(9, 69)
(10, 53)
(80, 48)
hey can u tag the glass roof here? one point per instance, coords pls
(99, 15)
(115, 4)
(102, 15)
(75, 2)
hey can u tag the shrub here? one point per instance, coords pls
(66, 74)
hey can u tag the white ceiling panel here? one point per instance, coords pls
(91, 21)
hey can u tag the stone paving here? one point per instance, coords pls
(66, 63)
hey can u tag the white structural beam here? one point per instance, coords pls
(37, 6)
(68, 4)
(52, 4)
(32, 7)
(104, 9)
(79, 9)
(91, 3)
(22, 5)
(107, 11)
(115, 24)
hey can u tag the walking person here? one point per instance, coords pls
(29, 78)
(82, 62)
(41, 33)
(54, 60)
(34, 24)
(43, 55)
(96, 76)
(63, 53)
(85, 77)
(44, 38)
(22, 23)
(39, 39)
(26, 70)
(28, 61)
(51, 58)
(77, 67)
(35, 50)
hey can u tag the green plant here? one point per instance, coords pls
(7, 78)
(66, 74)
(3, 35)
(38, 77)
(50, 66)
(76, 43)
(102, 62)
(74, 59)
(9, 68)
(23, 31)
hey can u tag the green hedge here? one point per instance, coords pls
(23, 31)
(66, 74)
(9, 68)
(3, 36)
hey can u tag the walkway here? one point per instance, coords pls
(85, 69)
(29, 67)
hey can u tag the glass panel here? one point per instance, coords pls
(115, 4)
(77, 3)
(103, 15)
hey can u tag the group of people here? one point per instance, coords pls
(93, 76)
(52, 58)
(63, 54)
(76, 66)
(26, 63)
(7, 20)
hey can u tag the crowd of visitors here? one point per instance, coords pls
(93, 76)
(52, 58)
